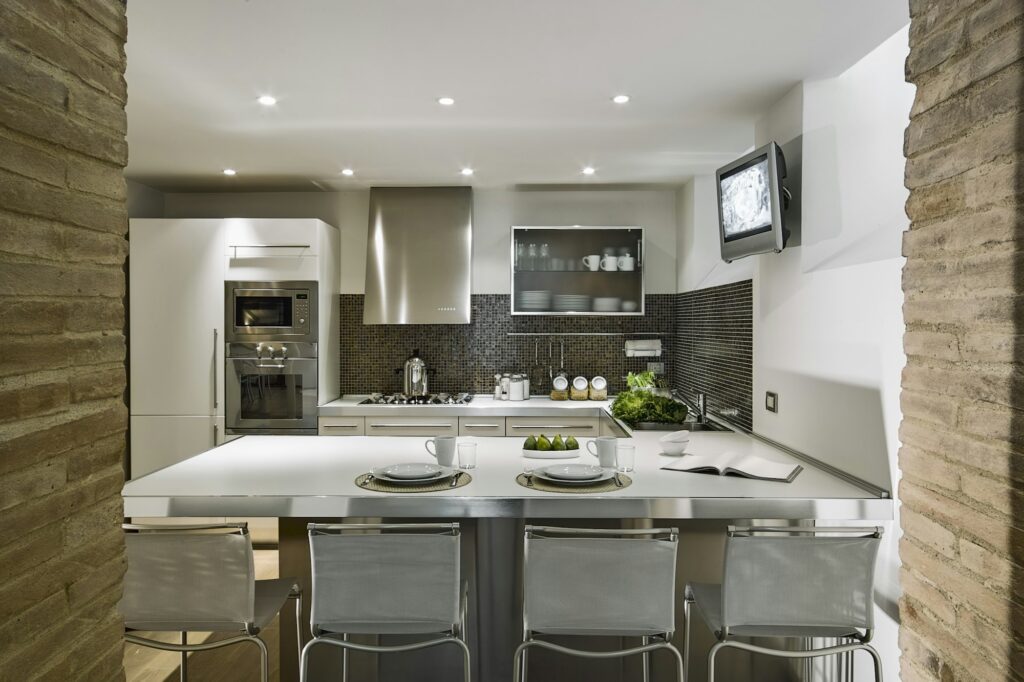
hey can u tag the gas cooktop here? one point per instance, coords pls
(431, 399)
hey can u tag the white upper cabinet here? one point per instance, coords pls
(273, 249)
(176, 316)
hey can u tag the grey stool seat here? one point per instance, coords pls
(604, 582)
(386, 579)
(791, 582)
(199, 578)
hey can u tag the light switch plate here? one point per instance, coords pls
(771, 401)
(656, 367)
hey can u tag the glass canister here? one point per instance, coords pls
(517, 385)
(506, 381)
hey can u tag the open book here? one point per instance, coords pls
(736, 464)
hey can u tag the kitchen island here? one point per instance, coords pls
(304, 478)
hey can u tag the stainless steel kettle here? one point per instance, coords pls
(414, 382)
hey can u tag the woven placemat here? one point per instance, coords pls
(602, 487)
(368, 482)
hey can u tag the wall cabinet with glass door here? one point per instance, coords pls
(577, 270)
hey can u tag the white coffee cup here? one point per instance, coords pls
(592, 262)
(606, 446)
(626, 263)
(610, 263)
(444, 450)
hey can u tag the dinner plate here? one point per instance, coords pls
(411, 473)
(606, 474)
(573, 472)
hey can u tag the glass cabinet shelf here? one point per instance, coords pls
(577, 270)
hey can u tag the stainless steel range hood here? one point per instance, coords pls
(419, 255)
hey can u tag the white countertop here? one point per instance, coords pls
(313, 476)
(348, 406)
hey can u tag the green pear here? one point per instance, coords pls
(543, 443)
(530, 444)
(558, 443)
(571, 443)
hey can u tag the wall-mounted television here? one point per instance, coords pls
(752, 203)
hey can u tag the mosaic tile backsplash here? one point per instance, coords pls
(713, 349)
(466, 357)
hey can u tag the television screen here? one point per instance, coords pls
(751, 204)
(746, 200)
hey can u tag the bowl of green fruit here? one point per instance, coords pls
(540, 447)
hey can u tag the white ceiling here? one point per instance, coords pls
(357, 83)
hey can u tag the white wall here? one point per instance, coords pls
(828, 320)
(494, 212)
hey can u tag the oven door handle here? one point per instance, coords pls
(270, 366)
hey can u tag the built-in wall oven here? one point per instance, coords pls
(271, 357)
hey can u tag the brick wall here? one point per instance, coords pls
(963, 397)
(63, 244)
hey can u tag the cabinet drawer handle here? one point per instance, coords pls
(482, 426)
(340, 426)
(552, 426)
(410, 426)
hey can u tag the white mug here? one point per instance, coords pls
(444, 450)
(610, 263)
(606, 449)
(626, 263)
(592, 262)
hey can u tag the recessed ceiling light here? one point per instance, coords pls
(620, 99)
(589, 170)
(267, 100)
(445, 101)
(467, 171)
(229, 171)
(347, 172)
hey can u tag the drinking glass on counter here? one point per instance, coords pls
(467, 455)
(625, 457)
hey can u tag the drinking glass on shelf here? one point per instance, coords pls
(545, 258)
(625, 457)
(467, 455)
(520, 256)
(531, 257)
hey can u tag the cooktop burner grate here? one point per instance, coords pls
(431, 399)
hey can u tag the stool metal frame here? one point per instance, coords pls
(250, 629)
(455, 635)
(649, 641)
(859, 635)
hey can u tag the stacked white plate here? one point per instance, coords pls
(569, 303)
(607, 305)
(534, 300)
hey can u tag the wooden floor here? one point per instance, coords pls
(238, 662)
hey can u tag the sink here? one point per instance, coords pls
(688, 426)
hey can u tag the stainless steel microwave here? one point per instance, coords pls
(270, 311)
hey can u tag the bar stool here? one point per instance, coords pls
(386, 579)
(619, 583)
(791, 582)
(199, 578)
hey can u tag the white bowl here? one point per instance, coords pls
(671, 447)
(674, 443)
(629, 306)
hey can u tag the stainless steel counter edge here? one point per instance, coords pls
(592, 506)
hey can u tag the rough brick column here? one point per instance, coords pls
(63, 229)
(963, 387)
